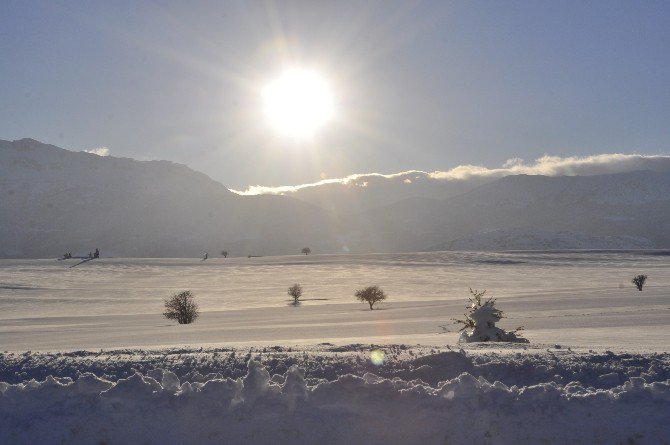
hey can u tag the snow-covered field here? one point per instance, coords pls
(105, 367)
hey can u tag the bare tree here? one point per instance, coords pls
(639, 280)
(306, 250)
(295, 291)
(181, 307)
(370, 295)
(224, 253)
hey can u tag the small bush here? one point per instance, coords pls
(295, 291)
(181, 307)
(306, 250)
(639, 280)
(370, 295)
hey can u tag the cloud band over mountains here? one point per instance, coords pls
(100, 151)
(545, 166)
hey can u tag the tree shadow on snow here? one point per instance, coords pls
(367, 309)
(292, 303)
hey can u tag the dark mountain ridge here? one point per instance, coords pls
(53, 200)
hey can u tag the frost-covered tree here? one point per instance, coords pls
(639, 281)
(181, 307)
(295, 291)
(480, 321)
(370, 295)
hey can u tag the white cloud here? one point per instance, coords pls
(351, 180)
(100, 151)
(512, 162)
(546, 166)
(557, 166)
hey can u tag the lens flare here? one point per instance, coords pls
(377, 357)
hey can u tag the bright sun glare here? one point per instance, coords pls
(298, 102)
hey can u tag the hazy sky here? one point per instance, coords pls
(423, 86)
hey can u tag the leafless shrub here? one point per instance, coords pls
(295, 291)
(639, 281)
(181, 307)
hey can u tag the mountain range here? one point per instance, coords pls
(53, 200)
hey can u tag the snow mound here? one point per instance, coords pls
(479, 324)
(554, 399)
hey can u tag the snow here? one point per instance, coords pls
(479, 324)
(576, 298)
(533, 238)
(331, 394)
(90, 359)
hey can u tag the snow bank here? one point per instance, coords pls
(338, 396)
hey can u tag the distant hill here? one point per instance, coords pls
(538, 239)
(372, 191)
(635, 204)
(53, 200)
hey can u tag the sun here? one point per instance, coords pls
(298, 103)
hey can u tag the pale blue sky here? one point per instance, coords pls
(419, 85)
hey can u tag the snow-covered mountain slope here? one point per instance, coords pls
(41, 168)
(363, 192)
(635, 204)
(620, 189)
(539, 239)
(54, 201)
(359, 192)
